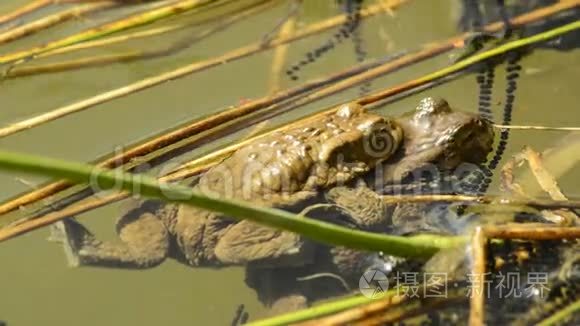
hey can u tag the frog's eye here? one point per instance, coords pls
(349, 110)
(433, 105)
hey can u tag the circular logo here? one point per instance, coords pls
(373, 284)
(379, 143)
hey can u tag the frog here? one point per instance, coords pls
(287, 169)
(439, 143)
(436, 138)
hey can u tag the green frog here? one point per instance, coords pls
(289, 170)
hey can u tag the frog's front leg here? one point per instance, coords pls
(363, 206)
(144, 243)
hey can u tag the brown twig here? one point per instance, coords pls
(178, 73)
(543, 177)
(498, 126)
(99, 61)
(536, 203)
(24, 10)
(478, 249)
(153, 12)
(529, 231)
(532, 231)
(144, 33)
(51, 20)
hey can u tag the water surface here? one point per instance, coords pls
(37, 288)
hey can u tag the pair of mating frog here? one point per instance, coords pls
(325, 160)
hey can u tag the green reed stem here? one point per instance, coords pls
(320, 310)
(416, 246)
(562, 315)
(502, 49)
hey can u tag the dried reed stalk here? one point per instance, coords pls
(99, 61)
(25, 10)
(178, 73)
(48, 21)
(532, 231)
(136, 35)
(477, 302)
(280, 53)
(140, 19)
(547, 128)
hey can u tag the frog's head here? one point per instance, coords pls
(464, 137)
(449, 137)
(358, 137)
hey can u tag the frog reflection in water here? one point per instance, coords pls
(289, 170)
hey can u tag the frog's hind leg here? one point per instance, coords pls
(363, 206)
(144, 243)
(247, 241)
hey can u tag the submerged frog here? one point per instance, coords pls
(288, 170)
(436, 139)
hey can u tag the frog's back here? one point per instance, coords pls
(279, 163)
(286, 166)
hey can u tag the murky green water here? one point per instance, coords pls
(36, 286)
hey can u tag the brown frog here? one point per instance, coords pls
(288, 170)
(436, 139)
